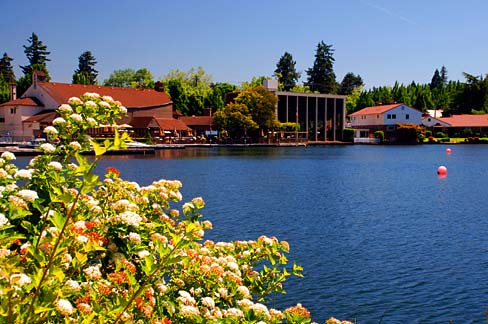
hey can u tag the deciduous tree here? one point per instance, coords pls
(261, 104)
(235, 120)
(129, 78)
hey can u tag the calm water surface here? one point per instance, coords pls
(380, 236)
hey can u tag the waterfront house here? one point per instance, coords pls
(25, 117)
(463, 125)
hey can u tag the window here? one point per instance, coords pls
(2, 120)
(393, 116)
(388, 116)
(377, 116)
(407, 116)
(13, 110)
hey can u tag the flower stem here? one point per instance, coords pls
(54, 250)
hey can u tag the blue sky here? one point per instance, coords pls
(381, 40)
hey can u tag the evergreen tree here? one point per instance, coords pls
(349, 83)
(36, 53)
(6, 77)
(321, 76)
(444, 75)
(86, 73)
(6, 69)
(436, 81)
(286, 72)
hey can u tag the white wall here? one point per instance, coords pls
(398, 115)
(39, 93)
(402, 115)
(366, 120)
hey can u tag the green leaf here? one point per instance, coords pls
(58, 220)
(99, 150)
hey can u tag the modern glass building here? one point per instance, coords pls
(321, 116)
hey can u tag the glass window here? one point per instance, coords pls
(407, 116)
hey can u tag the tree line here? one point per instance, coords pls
(193, 91)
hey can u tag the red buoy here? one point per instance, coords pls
(448, 151)
(442, 170)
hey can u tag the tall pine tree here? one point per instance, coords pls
(6, 77)
(321, 76)
(286, 71)
(436, 81)
(6, 69)
(86, 73)
(37, 54)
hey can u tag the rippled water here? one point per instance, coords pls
(381, 237)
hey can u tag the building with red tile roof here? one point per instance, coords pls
(464, 125)
(385, 117)
(25, 117)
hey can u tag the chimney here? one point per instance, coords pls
(13, 89)
(37, 76)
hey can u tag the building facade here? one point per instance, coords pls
(321, 116)
(24, 118)
(385, 117)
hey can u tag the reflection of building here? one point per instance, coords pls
(321, 116)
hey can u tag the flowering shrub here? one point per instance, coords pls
(76, 247)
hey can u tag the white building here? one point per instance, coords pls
(385, 117)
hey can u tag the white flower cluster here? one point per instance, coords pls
(28, 195)
(129, 218)
(64, 307)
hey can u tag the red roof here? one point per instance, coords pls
(466, 120)
(197, 120)
(374, 110)
(21, 102)
(129, 97)
(171, 124)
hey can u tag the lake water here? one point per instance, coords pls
(381, 237)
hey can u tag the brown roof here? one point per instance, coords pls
(22, 102)
(140, 122)
(171, 124)
(197, 120)
(375, 110)
(466, 120)
(129, 97)
(42, 117)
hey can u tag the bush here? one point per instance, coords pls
(428, 133)
(379, 135)
(79, 248)
(440, 135)
(348, 134)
